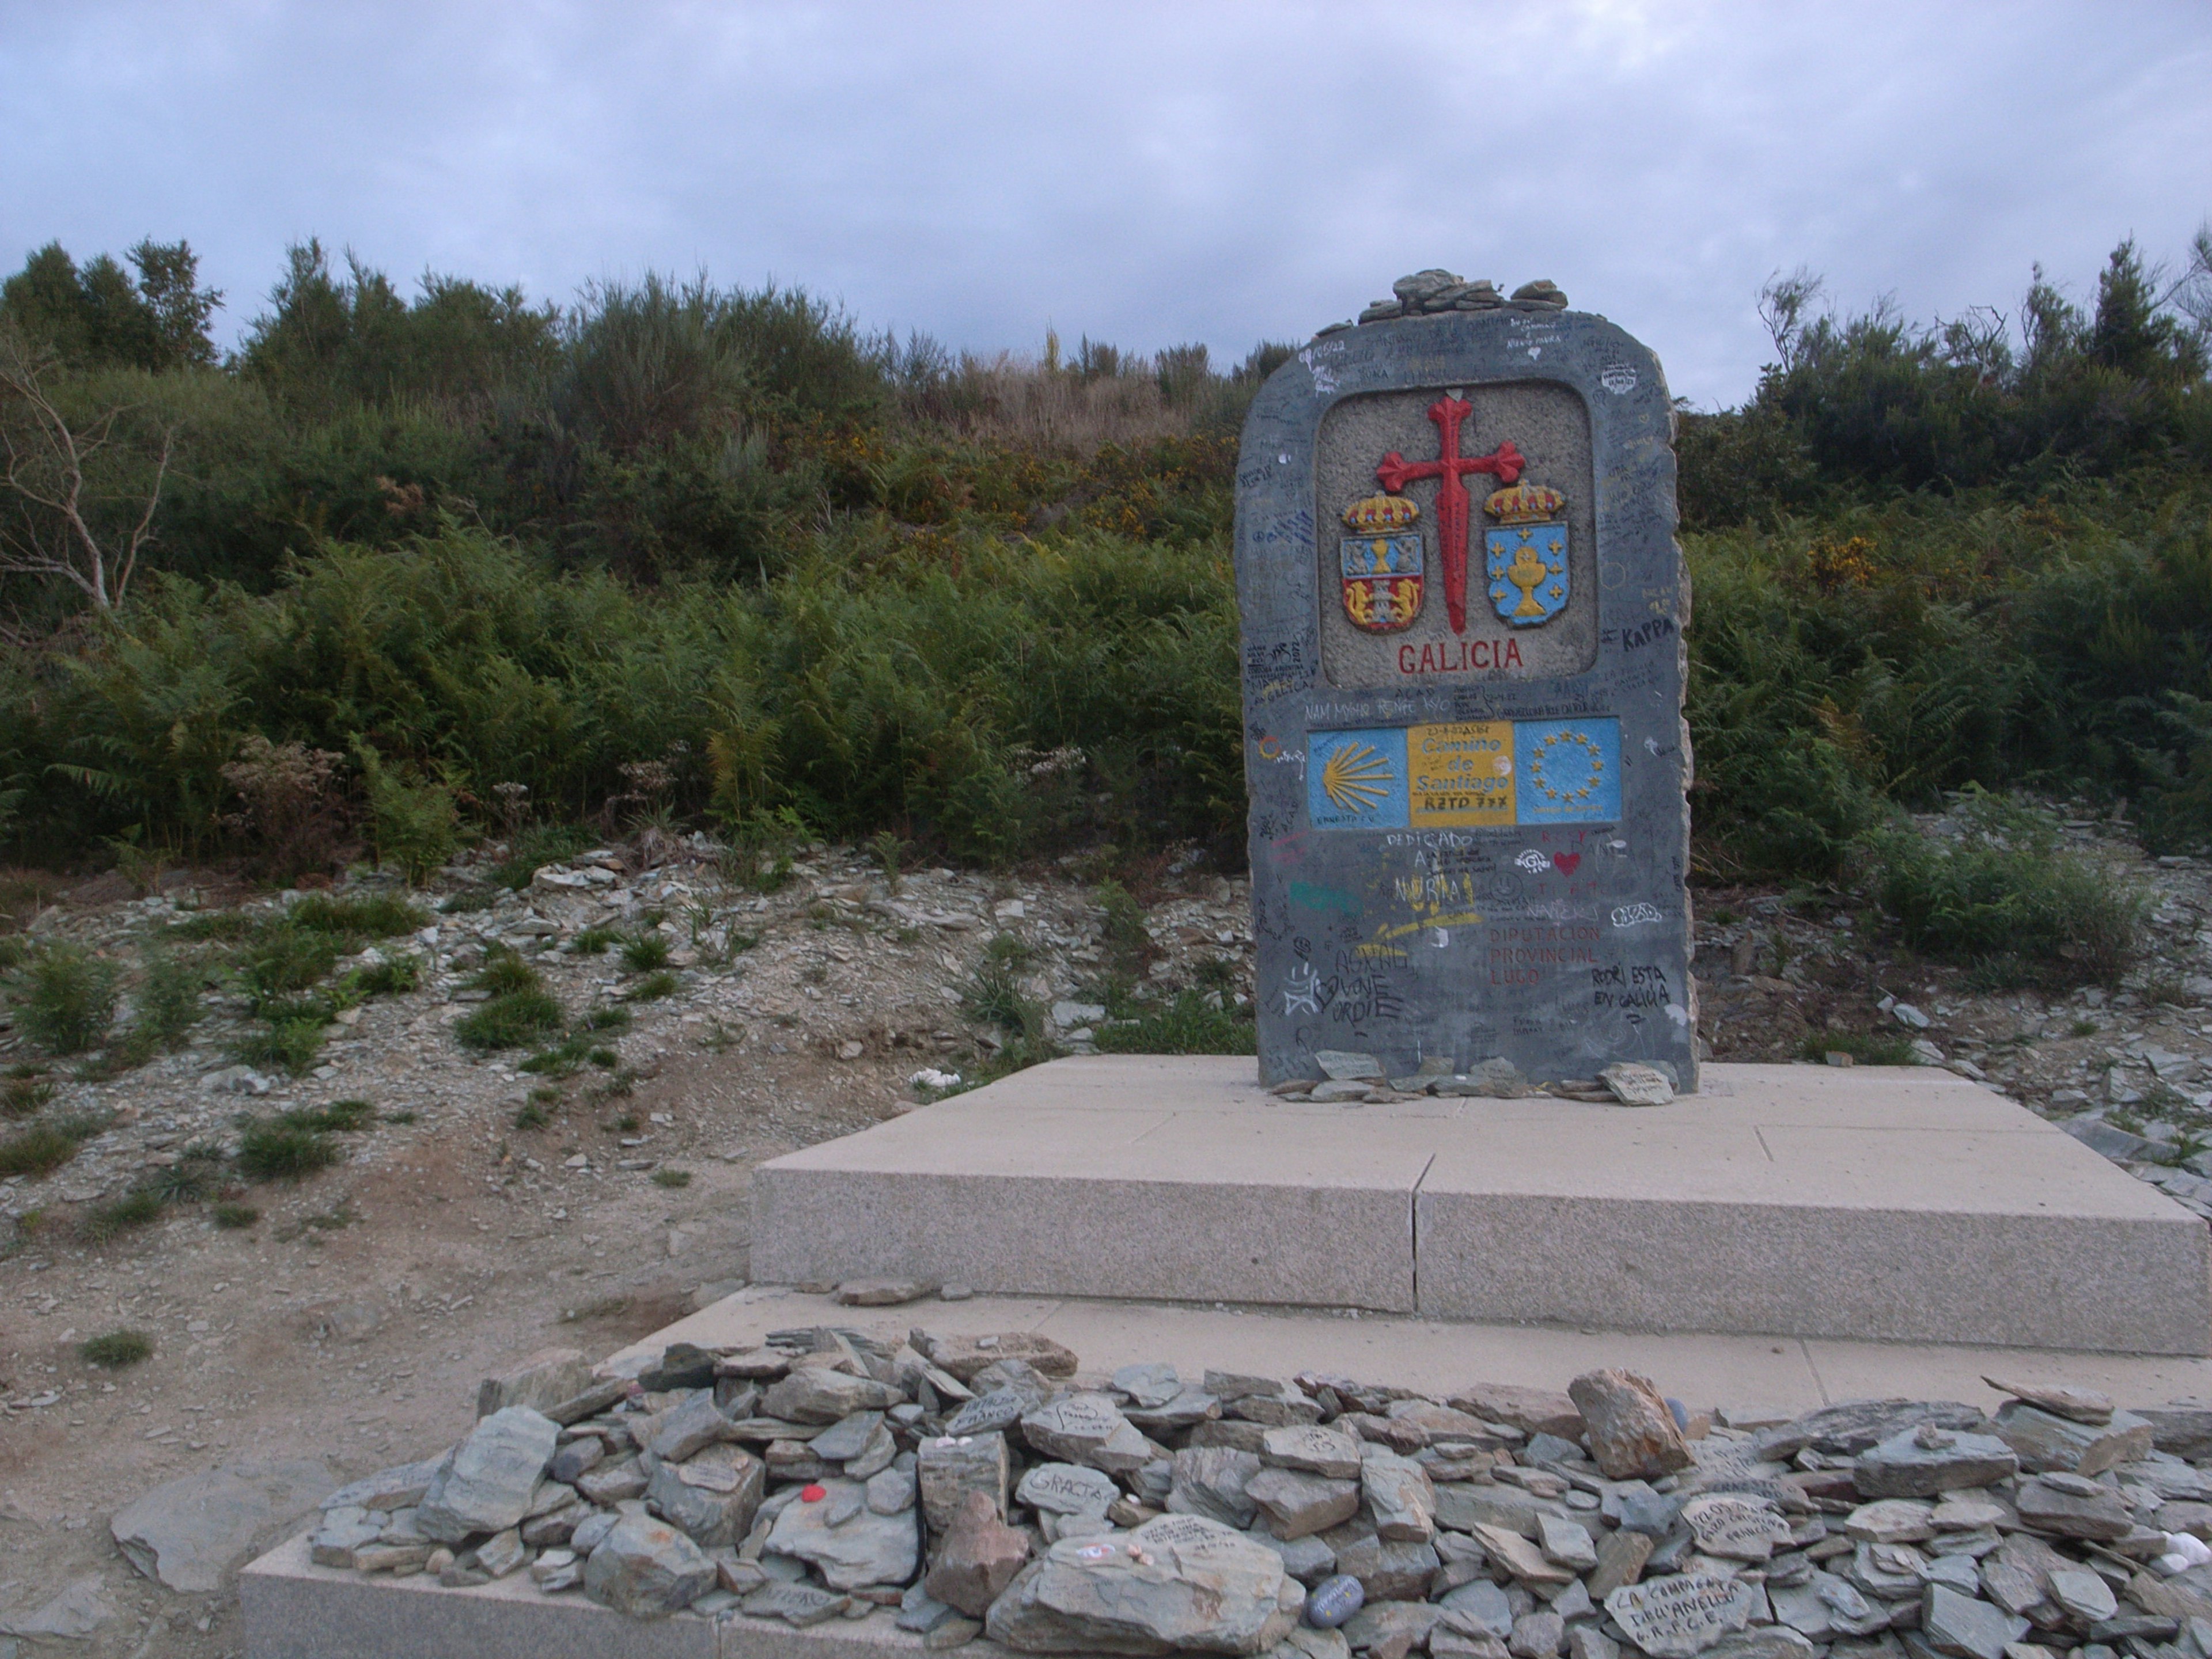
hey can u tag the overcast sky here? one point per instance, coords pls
(1145, 174)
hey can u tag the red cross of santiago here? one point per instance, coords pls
(1449, 467)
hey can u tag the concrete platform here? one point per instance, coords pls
(295, 1610)
(1894, 1204)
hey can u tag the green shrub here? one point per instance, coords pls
(504, 971)
(24, 1097)
(416, 824)
(643, 952)
(270, 1149)
(67, 1000)
(293, 1046)
(992, 998)
(607, 1019)
(593, 941)
(168, 1000)
(532, 1115)
(536, 846)
(343, 1116)
(285, 959)
(1865, 1047)
(1188, 1025)
(234, 1218)
(652, 987)
(116, 1351)
(136, 1208)
(37, 1151)
(2007, 900)
(358, 920)
(509, 1021)
(665, 1177)
(393, 977)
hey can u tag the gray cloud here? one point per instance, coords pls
(1144, 173)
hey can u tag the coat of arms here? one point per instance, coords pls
(1528, 549)
(1382, 564)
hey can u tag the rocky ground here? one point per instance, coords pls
(481, 1211)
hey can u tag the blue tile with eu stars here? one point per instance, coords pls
(1567, 771)
(1357, 780)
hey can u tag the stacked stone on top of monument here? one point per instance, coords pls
(1462, 606)
(964, 1485)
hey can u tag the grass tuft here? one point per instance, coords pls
(652, 987)
(273, 1150)
(671, 1178)
(641, 953)
(116, 1351)
(511, 1021)
(37, 1151)
(235, 1217)
(1188, 1025)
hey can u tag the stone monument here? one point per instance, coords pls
(1462, 657)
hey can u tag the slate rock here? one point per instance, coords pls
(1532, 1411)
(843, 1440)
(2083, 1594)
(2182, 1427)
(1388, 1571)
(992, 1412)
(1484, 1604)
(882, 1292)
(1620, 1559)
(1683, 1613)
(850, 1544)
(1151, 1384)
(190, 1532)
(611, 1483)
(1212, 1481)
(1965, 1626)
(80, 1608)
(1848, 1428)
(815, 1393)
(400, 1488)
(1519, 1556)
(1767, 1642)
(2080, 1405)
(963, 1357)
(1313, 1449)
(332, 1544)
(1309, 1559)
(977, 1558)
(1923, 1460)
(1891, 1521)
(1567, 1542)
(1087, 1429)
(1400, 1496)
(493, 1477)
(1537, 1635)
(646, 1569)
(1632, 1434)
(1178, 1583)
(1633, 1084)
(1067, 1489)
(2049, 1507)
(1297, 1504)
(948, 1467)
(690, 1427)
(800, 1605)
(2046, 1441)
(1378, 1624)
(545, 1379)
(711, 1512)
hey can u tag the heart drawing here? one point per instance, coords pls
(1564, 863)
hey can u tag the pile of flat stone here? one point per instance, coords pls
(963, 1486)
(1351, 1078)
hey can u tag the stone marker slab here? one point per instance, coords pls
(1463, 609)
(1682, 1614)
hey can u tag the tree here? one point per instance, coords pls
(96, 316)
(78, 503)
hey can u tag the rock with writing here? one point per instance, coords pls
(1088, 1429)
(1737, 1528)
(1682, 1614)
(1180, 1583)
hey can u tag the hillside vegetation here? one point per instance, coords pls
(417, 569)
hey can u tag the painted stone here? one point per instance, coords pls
(1468, 826)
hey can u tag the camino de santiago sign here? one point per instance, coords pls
(1462, 608)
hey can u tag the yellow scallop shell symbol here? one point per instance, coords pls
(1355, 778)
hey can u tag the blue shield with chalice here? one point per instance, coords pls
(1529, 581)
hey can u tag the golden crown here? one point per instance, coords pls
(1380, 512)
(1524, 503)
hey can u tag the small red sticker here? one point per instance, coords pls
(812, 1494)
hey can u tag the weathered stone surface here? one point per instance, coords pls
(798, 1605)
(978, 1559)
(949, 1468)
(189, 1533)
(1443, 1425)
(691, 1427)
(2082, 1405)
(1390, 1626)
(1338, 412)
(610, 1483)
(847, 1543)
(1532, 1411)
(964, 1356)
(1632, 1434)
(1088, 1429)
(1400, 1496)
(1620, 1559)
(713, 1499)
(1965, 1626)
(546, 1379)
(1635, 1084)
(1737, 1528)
(646, 1569)
(2183, 1427)
(1891, 1521)
(1682, 1614)
(1847, 1430)
(1179, 1583)
(494, 1475)
(2059, 1504)
(1297, 1506)
(815, 1393)
(1313, 1448)
(1921, 1461)
(2045, 1442)
(1538, 1635)
(1483, 1604)
(2084, 1593)
(1520, 1556)
(1567, 1542)
(1212, 1481)
(1386, 1570)
(343, 1531)
(400, 1488)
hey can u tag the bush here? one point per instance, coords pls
(509, 1021)
(285, 959)
(1188, 1025)
(594, 941)
(136, 1208)
(2007, 900)
(116, 1351)
(271, 1149)
(537, 846)
(24, 1097)
(344, 1117)
(68, 1001)
(168, 1000)
(293, 1046)
(359, 921)
(505, 972)
(37, 1151)
(643, 952)
(235, 1217)
(393, 977)
(416, 824)
(652, 987)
